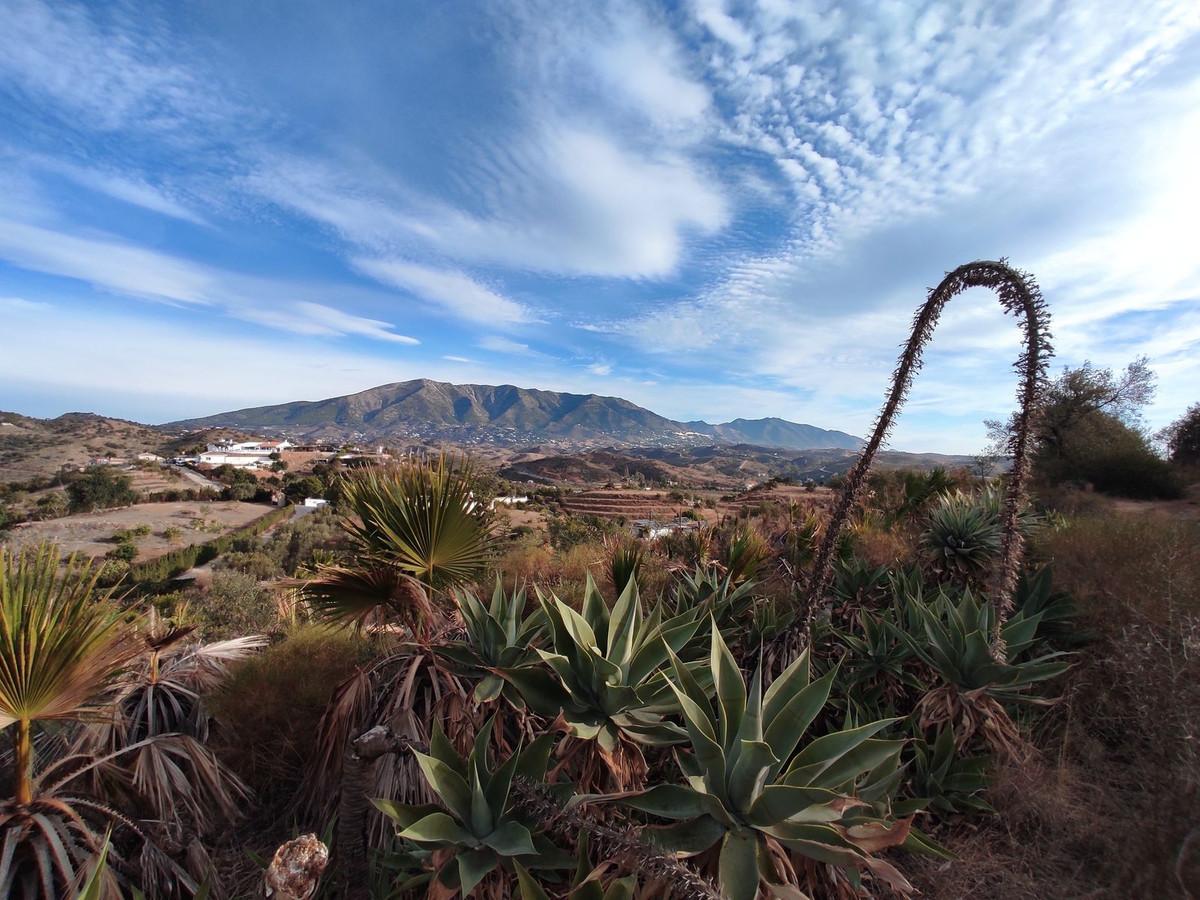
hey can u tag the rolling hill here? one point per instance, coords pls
(504, 414)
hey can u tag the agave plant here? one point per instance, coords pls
(962, 536)
(762, 811)
(1036, 596)
(476, 830)
(953, 642)
(857, 582)
(946, 781)
(745, 555)
(61, 650)
(876, 667)
(602, 678)
(420, 518)
(625, 561)
(708, 593)
(498, 636)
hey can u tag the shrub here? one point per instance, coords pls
(235, 605)
(125, 550)
(1134, 472)
(181, 559)
(100, 487)
(269, 706)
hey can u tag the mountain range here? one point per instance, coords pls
(508, 415)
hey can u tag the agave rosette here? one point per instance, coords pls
(755, 802)
(603, 672)
(476, 829)
(498, 636)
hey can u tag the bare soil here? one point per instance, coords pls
(91, 533)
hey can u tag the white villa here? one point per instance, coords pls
(245, 454)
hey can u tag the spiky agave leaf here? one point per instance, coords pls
(497, 636)
(952, 639)
(754, 797)
(478, 826)
(602, 675)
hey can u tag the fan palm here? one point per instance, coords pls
(178, 778)
(419, 517)
(61, 649)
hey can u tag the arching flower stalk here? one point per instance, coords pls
(1019, 295)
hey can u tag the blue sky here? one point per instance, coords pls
(714, 209)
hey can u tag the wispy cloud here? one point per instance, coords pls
(499, 344)
(316, 319)
(131, 190)
(105, 262)
(453, 291)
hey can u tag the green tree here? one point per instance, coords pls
(1182, 437)
(1089, 429)
(100, 487)
(296, 489)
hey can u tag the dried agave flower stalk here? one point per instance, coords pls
(611, 841)
(1018, 294)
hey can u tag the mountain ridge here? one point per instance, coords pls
(506, 414)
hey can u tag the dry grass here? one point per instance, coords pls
(1108, 808)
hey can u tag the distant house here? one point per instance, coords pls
(315, 502)
(244, 454)
(508, 501)
(652, 529)
(148, 457)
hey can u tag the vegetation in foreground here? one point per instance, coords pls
(687, 718)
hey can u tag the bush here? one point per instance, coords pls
(100, 487)
(236, 605)
(125, 550)
(269, 706)
(181, 559)
(1134, 472)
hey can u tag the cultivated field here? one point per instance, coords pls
(638, 504)
(91, 533)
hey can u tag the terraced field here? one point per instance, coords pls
(635, 504)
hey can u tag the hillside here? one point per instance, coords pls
(37, 448)
(717, 466)
(505, 414)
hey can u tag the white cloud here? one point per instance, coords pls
(20, 304)
(457, 359)
(112, 69)
(106, 262)
(498, 344)
(316, 319)
(451, 290)
(126, 189)
(600, 368)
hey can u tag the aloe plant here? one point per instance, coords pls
(754, 799)
(498, 636)
(602, 676)
(477, 828)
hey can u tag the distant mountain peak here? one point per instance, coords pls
(423, 409)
